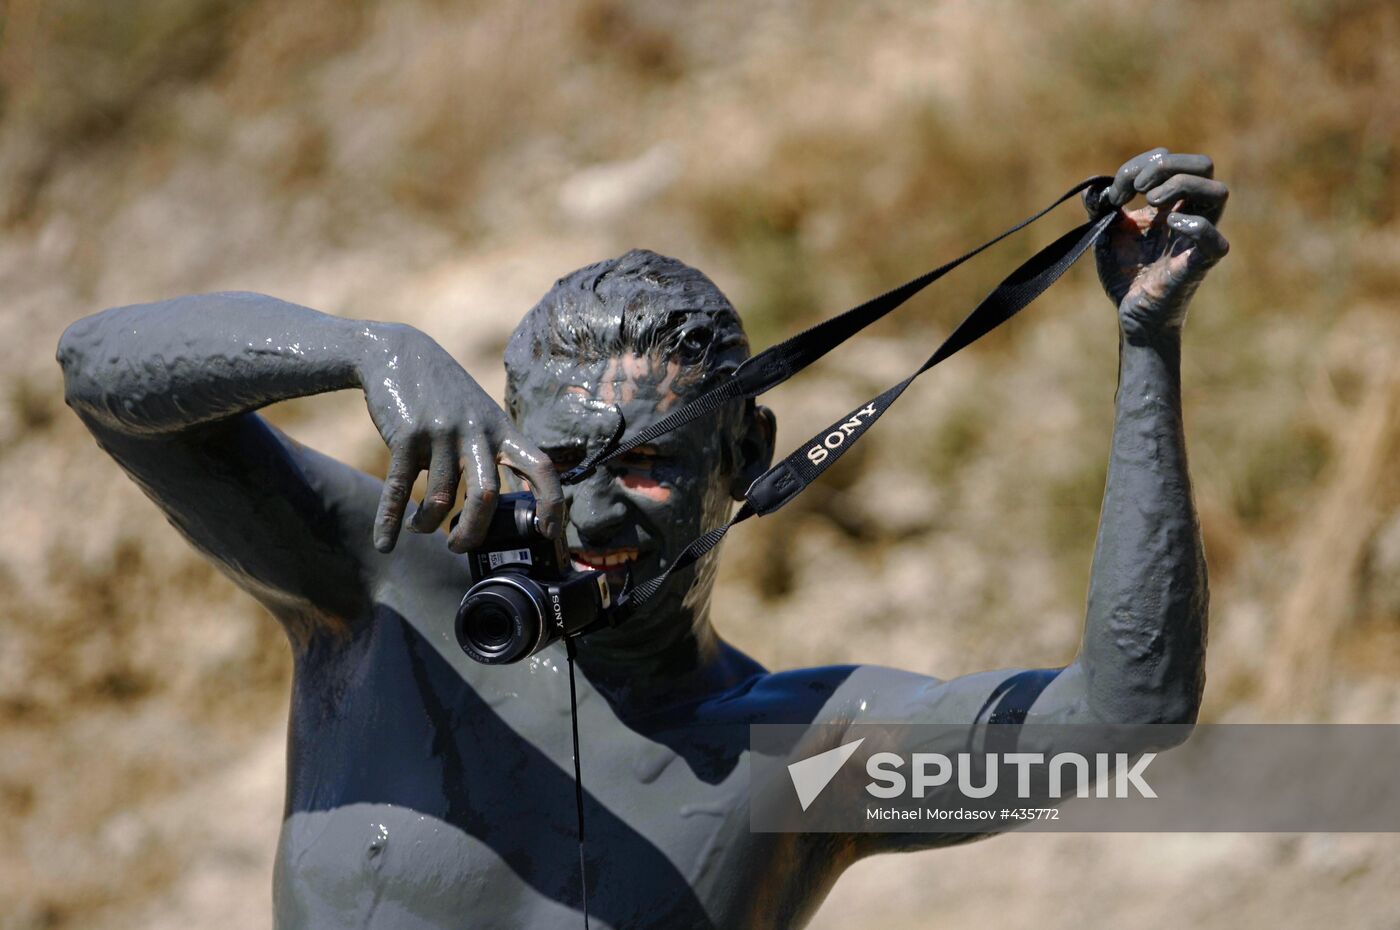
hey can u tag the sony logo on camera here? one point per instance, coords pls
(558, 607)
(854, 424)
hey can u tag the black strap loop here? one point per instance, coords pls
(789, 477)
(779, 362)
(776, 364)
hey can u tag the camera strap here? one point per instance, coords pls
(776, 364)
(571, 651)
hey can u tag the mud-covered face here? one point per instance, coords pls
(639, 511)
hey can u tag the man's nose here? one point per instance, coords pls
(597, 507)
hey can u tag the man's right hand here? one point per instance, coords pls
(434, 416)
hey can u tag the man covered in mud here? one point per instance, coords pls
(427, 791)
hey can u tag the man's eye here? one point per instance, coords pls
(566, 458)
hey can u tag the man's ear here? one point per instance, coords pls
(760, 432)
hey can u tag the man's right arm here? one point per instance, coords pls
(169, 389)
(163, 368)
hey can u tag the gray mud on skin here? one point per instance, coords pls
(426, 791)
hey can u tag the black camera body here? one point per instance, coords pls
(525, 593)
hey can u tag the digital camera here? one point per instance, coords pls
(525, 592)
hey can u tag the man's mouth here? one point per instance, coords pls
(612, 561)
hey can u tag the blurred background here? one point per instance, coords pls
(442, 163)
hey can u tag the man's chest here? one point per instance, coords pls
(414, 794)
(373, 865)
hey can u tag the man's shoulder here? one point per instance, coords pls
(846, 694)
(794, 682)
(825, 693)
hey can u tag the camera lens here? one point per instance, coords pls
(492, 626)
(501, 619)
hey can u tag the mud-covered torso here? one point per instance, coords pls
(427, 791)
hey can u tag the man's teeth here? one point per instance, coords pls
(589, 560)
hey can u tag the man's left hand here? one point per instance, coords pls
(1151, 260)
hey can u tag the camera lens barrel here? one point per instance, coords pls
(502, 619)
(509, 615)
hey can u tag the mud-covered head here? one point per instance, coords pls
(638, 336)
(641, 304)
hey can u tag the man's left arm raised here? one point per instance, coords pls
(1142, 654)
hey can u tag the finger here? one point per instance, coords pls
(1158, 170)
(441, 493)
(1208, 245)
(520, 456)
(404, 466)
(1122, 190)
(479, 503)
(1203, 195)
